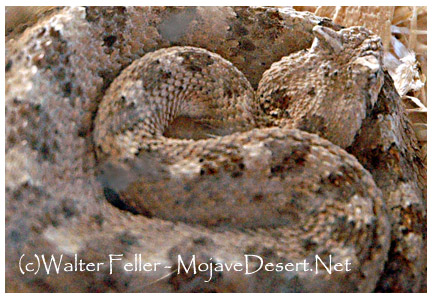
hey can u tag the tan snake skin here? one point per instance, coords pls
(184, 131)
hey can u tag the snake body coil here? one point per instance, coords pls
(142, 112)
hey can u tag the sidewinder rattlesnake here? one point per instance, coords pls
(193, 123)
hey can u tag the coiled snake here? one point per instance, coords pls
(205, 154)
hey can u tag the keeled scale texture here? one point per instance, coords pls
(57, 74)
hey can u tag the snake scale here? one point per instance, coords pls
(214, 132)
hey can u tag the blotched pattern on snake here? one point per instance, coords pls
(206, 154)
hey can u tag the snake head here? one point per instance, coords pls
(353, 40)
(327, 89)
